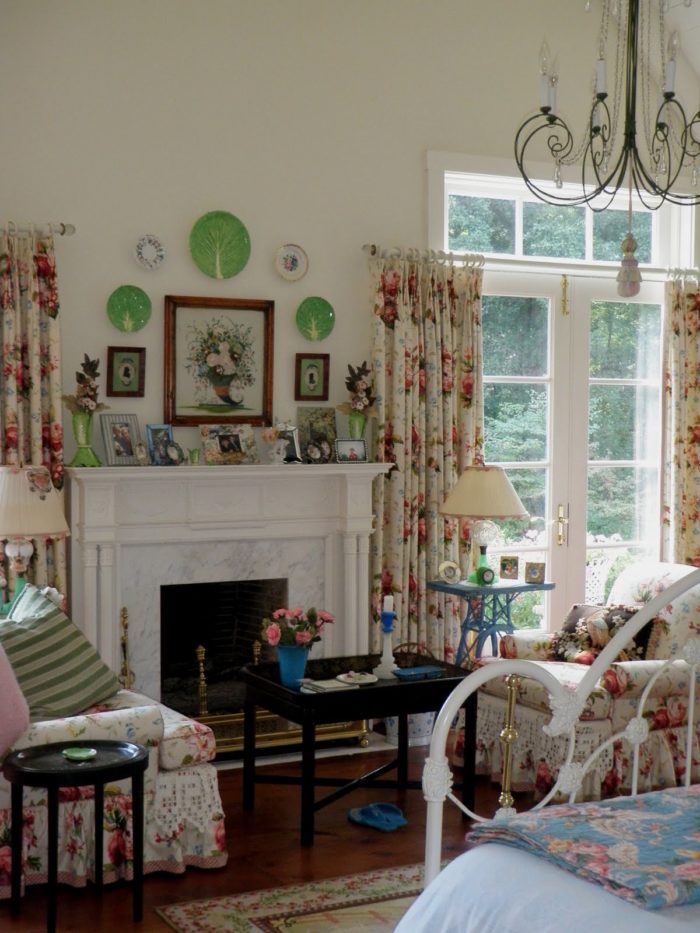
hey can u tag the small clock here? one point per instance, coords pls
(449, 571)
(485, 576)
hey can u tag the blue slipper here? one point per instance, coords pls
(384, 816)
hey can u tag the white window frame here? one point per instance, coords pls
(673, 226)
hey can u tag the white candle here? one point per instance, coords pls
(670, 77)
(544, 91)
(601, 81)
(388, 604)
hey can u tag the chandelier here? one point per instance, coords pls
(636, 137)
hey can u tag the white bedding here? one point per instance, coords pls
(498, 889)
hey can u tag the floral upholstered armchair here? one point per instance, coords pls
(568, 653)
(72, 695)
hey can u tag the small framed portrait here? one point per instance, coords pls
(350, 450)
(509, 567)
(160, 438)
(228, 443)
(311, 377)
(121, 436)
(126, 371)
(534, 572)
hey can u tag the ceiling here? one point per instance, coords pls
(686, 21)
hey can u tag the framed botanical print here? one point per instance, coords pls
(126, 371)
(311, 377)
(218, 360)
(228, 443)
(121, 436)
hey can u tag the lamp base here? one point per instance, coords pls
(386, 667)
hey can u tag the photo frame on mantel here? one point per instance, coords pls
(218, 360)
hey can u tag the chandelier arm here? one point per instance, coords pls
(672, 140)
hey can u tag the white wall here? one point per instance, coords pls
(308, 119)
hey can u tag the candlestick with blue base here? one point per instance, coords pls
(385, 669)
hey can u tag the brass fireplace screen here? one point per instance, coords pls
(271, 731)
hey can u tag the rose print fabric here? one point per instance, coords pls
(426, 372)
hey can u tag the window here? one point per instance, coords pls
(572, 374)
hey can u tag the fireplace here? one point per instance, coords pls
(135, 530)
(223, 619)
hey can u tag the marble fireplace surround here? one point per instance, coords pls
(135, 529)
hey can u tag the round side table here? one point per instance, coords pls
(46, 766)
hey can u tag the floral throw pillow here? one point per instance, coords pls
(588, 629)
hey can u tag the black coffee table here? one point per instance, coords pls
(384, 698)
(46, 766)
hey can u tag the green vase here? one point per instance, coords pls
(85, 456)
(356, 424)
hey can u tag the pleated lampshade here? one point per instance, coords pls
(484, 491)
(30, 507)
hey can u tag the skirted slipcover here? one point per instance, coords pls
(537, 756)
(184, 819)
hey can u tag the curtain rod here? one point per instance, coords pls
(28, 229)
(412, 253)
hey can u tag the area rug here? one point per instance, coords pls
(373, 902)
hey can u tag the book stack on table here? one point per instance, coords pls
(325, 686)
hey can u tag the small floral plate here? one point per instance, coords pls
(291, 262)
(357, 677)
(149, 251)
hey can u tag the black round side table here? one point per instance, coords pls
(46, 766)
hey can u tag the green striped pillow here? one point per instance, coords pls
(58, 670)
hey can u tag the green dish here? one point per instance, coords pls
(219, 244)
(129, 308)
(315, 318)
(79, 753)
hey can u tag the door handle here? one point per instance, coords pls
(562, 524)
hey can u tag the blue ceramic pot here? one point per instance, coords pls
(292, 660)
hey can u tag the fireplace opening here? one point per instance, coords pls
(225, 619)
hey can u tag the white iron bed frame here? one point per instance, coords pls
(567, 705)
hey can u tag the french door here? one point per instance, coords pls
(572, 405)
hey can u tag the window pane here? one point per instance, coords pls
(625, 340)
(483, 225)
(530, 486)
(515, 335)
(552, 230)
(622, 504)
(623, 422)
(515, 422)
(610, 229)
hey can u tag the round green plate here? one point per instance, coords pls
(219, 244)
(79, 753)
(129, 308)
(315, 318)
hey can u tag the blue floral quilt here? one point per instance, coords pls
(645, 849)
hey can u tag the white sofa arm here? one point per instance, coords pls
(629, 679)
(143, 724)
(528, 645)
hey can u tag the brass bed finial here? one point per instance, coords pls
(508, 735)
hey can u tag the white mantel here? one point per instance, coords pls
(134, 529)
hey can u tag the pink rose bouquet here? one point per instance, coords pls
(295, 626)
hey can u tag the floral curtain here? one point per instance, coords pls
(681, 481)
(30, 385)
(427, 364)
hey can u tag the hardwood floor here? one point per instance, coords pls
(264, 850)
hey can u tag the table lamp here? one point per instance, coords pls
(30, 508)
(482, 492)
